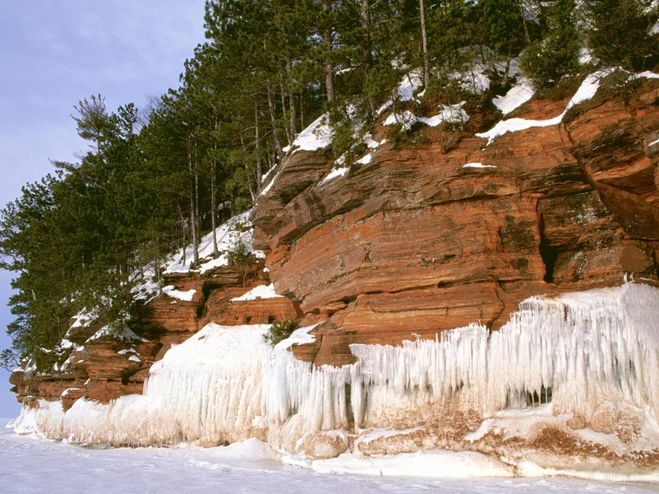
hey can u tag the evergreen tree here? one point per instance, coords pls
(556, 54)
(152, 183)
(619, 32)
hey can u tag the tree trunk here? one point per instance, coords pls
(257, 149)
(213, 210)
(329, 82)
(527, 36)
(197, 214)
(193, 215)
(292, 127)
(156, 261)
(367, 54)
(213, 200)
(302, 110)
(185, 237)
(273, 121)
(328, 66)
(424, 45)
(282, 93)
(293, 117)
(366, 21)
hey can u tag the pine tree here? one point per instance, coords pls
(620, 32)
(92, 119)
(556, 54)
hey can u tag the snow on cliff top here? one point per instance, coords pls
(450, 114)
(238, 229)
(586, 91)
(234, 231)
(116, 333)
(409, 84)
(515, 97)
(318, 135)
(171, 291)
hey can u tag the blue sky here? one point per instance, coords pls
(54, 53)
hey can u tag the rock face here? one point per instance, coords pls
(414, 243)
(405, 247)
(105, 368)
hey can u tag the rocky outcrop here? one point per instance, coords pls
(415, 243)
(404, 247)
(104, 368)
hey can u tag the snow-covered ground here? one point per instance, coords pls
(32, 465)
(226, 383)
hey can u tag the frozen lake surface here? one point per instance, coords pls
(32, 465)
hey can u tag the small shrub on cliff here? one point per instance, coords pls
(621, 32)
(240, 255)
(556, 55)
(279, 331)
(344, 138)
(621, 85)
(241, 226)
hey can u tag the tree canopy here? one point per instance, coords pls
(154, 180)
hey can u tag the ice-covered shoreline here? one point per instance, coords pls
(590, 357)
(244, 467)
(475, 472)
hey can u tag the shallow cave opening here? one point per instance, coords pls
(548, 253)
(125, 378)
(535, 399)
(348, 400)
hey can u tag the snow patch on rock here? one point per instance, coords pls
(409, 84)
(238, 229)
(586, 91)
(335, 173)
(184, 295)
(318, 135)
(450, 114)
(515, 97)
(117, 332)
(84, 318)
(261, 291)
(477, 165)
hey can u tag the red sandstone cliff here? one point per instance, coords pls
(104, 368)
(414, 243)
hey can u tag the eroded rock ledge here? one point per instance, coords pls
(414, 243)
(103, 369)
(396, 252)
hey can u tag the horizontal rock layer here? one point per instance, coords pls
(106, 369)
(414, 243)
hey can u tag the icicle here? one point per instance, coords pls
(580, 350)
